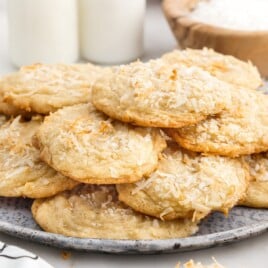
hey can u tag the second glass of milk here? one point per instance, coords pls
(111, 31)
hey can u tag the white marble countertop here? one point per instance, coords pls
(245, 254)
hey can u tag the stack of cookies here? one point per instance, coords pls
(138, 151)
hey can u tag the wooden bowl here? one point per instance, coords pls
(245, 45)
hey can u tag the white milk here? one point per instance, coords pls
(111, 31)
(43, 31)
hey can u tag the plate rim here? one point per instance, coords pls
(134, 246)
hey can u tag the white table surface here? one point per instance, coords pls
(245, 254)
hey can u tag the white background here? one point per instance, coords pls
(246, 254)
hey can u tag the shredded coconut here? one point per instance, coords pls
(238, 14)
(187, 182)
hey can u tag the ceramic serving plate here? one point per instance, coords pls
(216, 230)
(16, 220)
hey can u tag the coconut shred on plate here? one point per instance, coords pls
(251, 15)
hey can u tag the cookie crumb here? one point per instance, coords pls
(66, 255)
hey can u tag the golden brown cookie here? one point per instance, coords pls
(91, 211)
(158, 94)
(9, 109)
(225, 68)
(3, 119)
(257, 192)
(187, 184)
(44, 88)
(22, 173)
(6, 108)
(88, 146)
(233, 133)
(192, 264)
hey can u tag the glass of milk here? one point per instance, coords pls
(111, 31)
(43, 31)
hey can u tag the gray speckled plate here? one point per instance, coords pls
(16, 220)
(242, 223)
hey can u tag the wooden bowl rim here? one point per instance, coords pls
(183, 19)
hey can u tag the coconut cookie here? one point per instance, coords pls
(225, 68)
(44, 88)
(22, 173)
(257, 192)
(246, 132)
(187, 184)
(91, 211)
(157, 94)
(192, 264)
(86, 145)
(5, 108)
(3, 119)
(9, 109)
